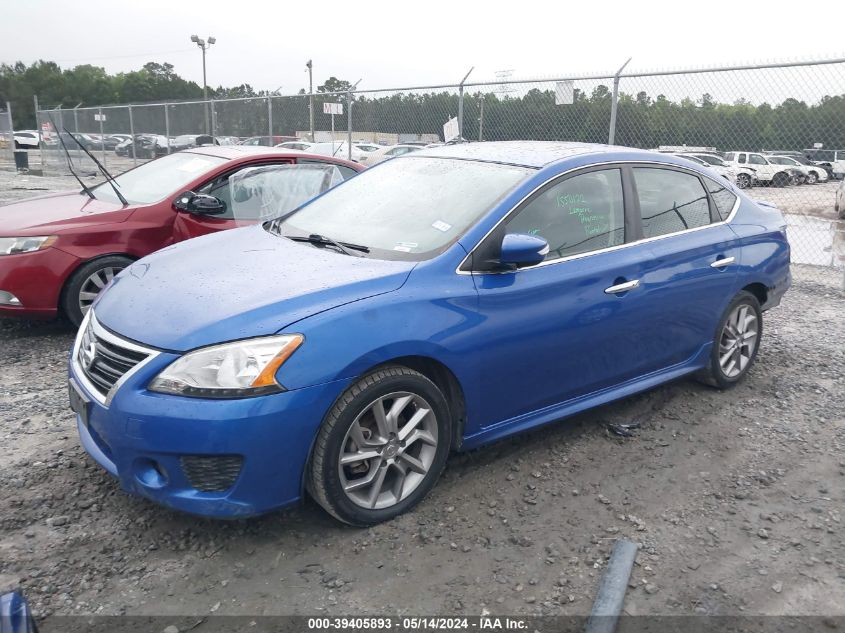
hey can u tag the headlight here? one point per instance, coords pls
(15, 245)
(233, 370)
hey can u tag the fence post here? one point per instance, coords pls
(132, 134)
(12, 130)
(39, 128)
(270, 118)
(102, 138)
(611, 135)
(213, 120)
(481, 121)
(461, 105)
(167, 124)
(76, 119)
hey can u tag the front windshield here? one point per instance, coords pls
(159, 178)
(410, 208)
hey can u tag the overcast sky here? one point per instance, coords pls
(395, 43)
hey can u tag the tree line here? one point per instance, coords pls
(642, 120)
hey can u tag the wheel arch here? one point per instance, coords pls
(79, 265)
(759, 290)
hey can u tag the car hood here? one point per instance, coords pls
(52, 212)
(236, 284)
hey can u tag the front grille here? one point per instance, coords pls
(212, 473)
(104, 359)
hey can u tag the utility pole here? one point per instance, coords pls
(310, 96)
(204, 45)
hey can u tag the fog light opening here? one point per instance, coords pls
(8, 299)
(150, 473)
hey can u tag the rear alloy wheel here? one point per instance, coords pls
(382, 447)
(812, 178)
(736, 342)
(743, 181)
(87, 282)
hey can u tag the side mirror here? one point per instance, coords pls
(520, 249)
(199, 203)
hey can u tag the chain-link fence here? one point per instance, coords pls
(776, 124)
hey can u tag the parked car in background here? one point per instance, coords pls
(58, 251)
(811, 173)
(104, 141)
(267, 141)
(831, 159)
(366, 147)
(27, 139)
(299, 146)
(338, 148)
(187, 141)
(765, 172)
(391, 151)
(726, 172)
(227, 140)
(437, 302)
(145, 146)
(744, 176)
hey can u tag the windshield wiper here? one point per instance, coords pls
(327, 241)
(70, 165)
(102, 169)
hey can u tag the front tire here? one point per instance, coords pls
(743, 181)
(381, 448)
(812, 178)
(736, 342)
(87, 282)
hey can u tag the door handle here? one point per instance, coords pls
(628, 285)
(721, 263)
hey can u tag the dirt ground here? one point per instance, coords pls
(736, 498)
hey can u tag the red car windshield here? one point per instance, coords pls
(154, 181)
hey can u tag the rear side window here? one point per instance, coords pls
(756, 159)
(722, 198)
(580, 214)
(670, 201)
(730, 156)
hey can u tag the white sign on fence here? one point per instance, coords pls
(451, 130)
(332, 108)
(99, 117)
(564, 93)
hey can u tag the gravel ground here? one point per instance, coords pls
(736, 497)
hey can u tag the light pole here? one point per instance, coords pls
(308, 65)
(204, 45)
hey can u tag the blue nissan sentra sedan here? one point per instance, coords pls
(436, 302)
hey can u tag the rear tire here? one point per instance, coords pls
(399, 423)
(780, 179)
(812, 178)
(743, 181)
(87, 282)
(736, 342)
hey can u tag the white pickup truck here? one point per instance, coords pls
(765, 172)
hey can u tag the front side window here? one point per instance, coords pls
(670, 201)
(730, 156)
(742, 158)
(756, 159)
(410, 209)
(583, 213)
(722, 198)
(712, 160)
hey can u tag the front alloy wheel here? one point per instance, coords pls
(743, 181)
(381, 448)
(87, 282)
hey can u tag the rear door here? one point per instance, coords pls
(691, 273)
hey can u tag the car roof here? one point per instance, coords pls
(536, 154)
(234, 152)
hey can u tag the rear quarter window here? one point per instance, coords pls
(722, 197)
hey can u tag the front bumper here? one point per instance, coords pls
(36, 280)
(142, 438)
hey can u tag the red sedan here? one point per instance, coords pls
(58, 251)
